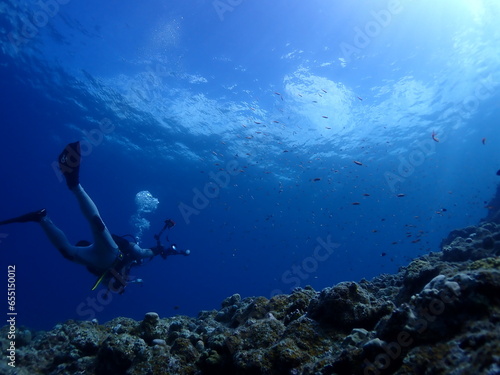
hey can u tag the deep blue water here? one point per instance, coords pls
(278, 99)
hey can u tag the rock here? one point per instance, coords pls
(159, 342)
(472, 243)
(357, 337)
(151, 328)
(23, 337)
(347, 306)
(230, 301)
(417, 274)
(151, 318)
(117, 354)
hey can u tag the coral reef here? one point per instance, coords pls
(438, 315)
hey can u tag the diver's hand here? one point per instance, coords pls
(173, 250)
(158, 250)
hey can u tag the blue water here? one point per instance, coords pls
(269, 97)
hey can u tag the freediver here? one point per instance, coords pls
(110, 256)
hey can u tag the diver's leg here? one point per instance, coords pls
(86, 255)
(59, 239)
(102, 236)
(69, 163)
(35, 216)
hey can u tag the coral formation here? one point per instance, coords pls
(438, 315)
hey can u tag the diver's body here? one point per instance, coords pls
(104, 257)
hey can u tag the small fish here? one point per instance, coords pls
(383, 254)
(324, 116)
(366, 195)
(484, 141)
(326, 92)
(257, 122)
(357, 162)
(327, 127)
(356, 203)
(316, 179)
(400, 195)
(498, 172)
(359, 98)
(276, 122)
(436, 139)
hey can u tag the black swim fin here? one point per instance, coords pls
(69, 164)
(32, 216)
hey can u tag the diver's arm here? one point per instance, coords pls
(158, 250)
(143, 253)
